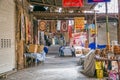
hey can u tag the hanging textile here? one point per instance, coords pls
(72, 3)
(29, 32)
(70, 31)
(27, 24)
(53, 26)
(64, 26)
(42, 25)
(42, 37)
(22, 27)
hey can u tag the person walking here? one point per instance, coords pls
(73, 51)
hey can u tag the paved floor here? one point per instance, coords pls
(54, 68)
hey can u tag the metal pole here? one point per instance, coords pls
(96, 30)
(118, 28)
(107, 28)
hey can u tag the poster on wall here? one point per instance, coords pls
(64, 26)
(79, 23)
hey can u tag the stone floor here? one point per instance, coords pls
(54, 68)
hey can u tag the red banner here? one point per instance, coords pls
(72, 3)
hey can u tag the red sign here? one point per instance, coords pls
(72, 3)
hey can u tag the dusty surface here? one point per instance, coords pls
(54, 68)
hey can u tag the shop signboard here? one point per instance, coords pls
(91, 1)
(72, 3)
(79, 23)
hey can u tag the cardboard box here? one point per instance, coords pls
(40, 48)
(33, 48)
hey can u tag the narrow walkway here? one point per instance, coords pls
(54, 68)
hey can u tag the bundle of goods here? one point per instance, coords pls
(116, 49)
(108, 48)
(114, 70)
(86, 50)
(35, 48)
(103, 53)
(78, 51)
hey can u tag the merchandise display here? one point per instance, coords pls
(106, 64)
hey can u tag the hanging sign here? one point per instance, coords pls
(72, 3)
(79, 23)
(90, 1)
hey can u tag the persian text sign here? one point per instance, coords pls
(72, 3)
(90, 1)
(79, 22)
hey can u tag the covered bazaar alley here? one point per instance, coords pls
(54, 68)
(59, 39)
